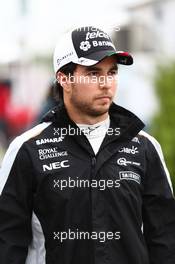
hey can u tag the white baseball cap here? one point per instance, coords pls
(87, 46)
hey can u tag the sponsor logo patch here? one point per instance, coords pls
(102, 43)
(96, 39)
(125, 162)
(56, 165)
(135, 139)
(97, 34)
(129, 175)
(133, 150)
(64, 57)
(85, 45)
(49, 140)
(51, 153)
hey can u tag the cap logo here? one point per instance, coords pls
(85, 45)
(124, 60)
(98, 34)
(64, 57)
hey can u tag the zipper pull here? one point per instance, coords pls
(93, 161)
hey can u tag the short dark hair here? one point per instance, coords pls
(67, 69)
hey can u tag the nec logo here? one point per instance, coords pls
(56, 165)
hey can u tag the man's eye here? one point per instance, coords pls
(93, 73)
(114, 72)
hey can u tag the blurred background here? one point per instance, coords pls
(29, 30)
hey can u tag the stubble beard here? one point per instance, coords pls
(87, 108)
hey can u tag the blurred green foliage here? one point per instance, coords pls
(163, 125)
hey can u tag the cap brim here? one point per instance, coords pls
(121, 57)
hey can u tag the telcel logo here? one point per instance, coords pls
(56, 165)
(98, 34)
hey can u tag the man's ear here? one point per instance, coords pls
(63, 80)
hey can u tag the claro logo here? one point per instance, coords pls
(56, 165)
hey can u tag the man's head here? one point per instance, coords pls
(85, 63)
(91, 89)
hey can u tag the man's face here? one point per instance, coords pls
(92, 89)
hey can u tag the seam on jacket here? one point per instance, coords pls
(36, 251)
(159, 151)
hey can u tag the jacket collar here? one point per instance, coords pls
(119, 116)
(121, 119)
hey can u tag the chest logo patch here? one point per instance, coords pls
(130, 175)
(125, 162)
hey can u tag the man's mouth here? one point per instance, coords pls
(105, 97)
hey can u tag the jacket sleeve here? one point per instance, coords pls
(15, 205)
(158, 207)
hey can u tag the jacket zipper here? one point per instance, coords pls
(93, 164)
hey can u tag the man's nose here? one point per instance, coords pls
(105, 82)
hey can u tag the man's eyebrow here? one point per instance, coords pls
(114, 67)
(92, 68)
(96, 68)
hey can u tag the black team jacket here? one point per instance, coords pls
(62, 204)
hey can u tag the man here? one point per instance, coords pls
(87, 185)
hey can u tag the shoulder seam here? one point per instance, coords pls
(158, 149)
